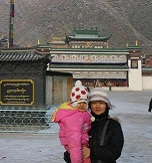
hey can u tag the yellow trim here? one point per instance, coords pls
(64, 106)
(38, 42)
(53, 115)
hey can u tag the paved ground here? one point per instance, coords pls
(44, 147)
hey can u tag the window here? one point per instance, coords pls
(134, 63)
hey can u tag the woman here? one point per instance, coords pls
(103, 148)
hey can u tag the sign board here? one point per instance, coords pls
(16, 92)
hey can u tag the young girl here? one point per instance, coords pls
(74, 121)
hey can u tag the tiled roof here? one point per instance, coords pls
(87, 35)
(20, 55)
(86, 31)
(87, 38)
(147, 69)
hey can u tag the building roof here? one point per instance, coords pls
(134, 47)
(86, 35)
(86, 32)
(57, 73)
(8, 55)
(146, 69)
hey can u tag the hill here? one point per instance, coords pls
(127, 21)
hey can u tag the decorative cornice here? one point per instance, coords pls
(99, 75)
(85, 58)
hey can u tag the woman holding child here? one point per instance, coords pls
(106, 135)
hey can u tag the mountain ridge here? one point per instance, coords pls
(127, 21)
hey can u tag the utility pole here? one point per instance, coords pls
(11, 24)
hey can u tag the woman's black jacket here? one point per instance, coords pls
(113, 144)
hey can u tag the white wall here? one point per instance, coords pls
(135, 77)
(147, 82)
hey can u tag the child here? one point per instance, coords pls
(74, 121)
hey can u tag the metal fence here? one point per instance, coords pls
(27, 119)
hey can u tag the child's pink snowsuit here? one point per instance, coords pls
(74, 126)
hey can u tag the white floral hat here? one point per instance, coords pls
(79, 93)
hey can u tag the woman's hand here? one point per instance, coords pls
(85, 152)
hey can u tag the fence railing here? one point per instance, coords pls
(19, 119)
